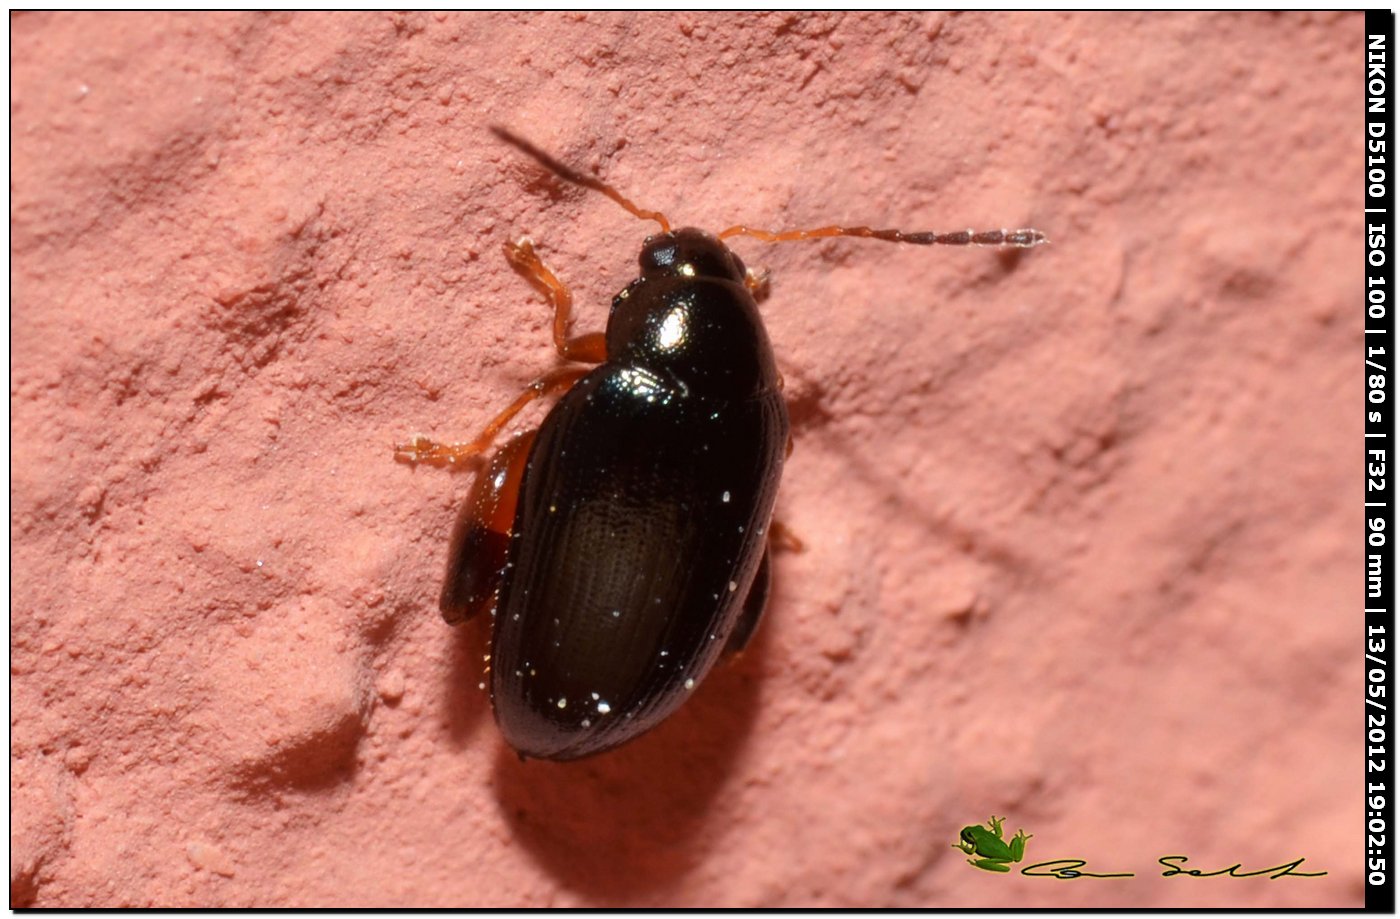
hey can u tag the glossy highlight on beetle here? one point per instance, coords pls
(623, 547)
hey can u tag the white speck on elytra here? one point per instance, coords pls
(733, 587)
(587, 723)
(689, 684)
(594, 695)
(724, 497)
(617, 613)
(604, 708)
(563, 702)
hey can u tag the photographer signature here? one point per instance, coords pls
(1067, 869)
(992, 851)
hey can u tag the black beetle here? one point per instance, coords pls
(623, 546)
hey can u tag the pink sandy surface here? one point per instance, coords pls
(1082, 523)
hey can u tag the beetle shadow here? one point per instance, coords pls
(809, 413)
(623, 828)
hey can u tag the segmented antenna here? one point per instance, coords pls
(578, 178)
(1020, 239)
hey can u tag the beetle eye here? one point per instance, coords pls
(690, 253)
(659, 252)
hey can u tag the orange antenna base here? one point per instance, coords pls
(578, 178)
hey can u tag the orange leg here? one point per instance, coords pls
(590, 348)
(423, 450)
(481, 537)
(784, 539)
(758, 284)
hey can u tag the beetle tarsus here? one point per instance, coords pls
(421, 449)
(759, 284)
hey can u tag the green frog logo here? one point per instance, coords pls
(992, 852)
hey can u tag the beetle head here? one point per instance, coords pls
(690, 253)
(691, 315)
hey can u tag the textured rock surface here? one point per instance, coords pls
(1081, 524)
